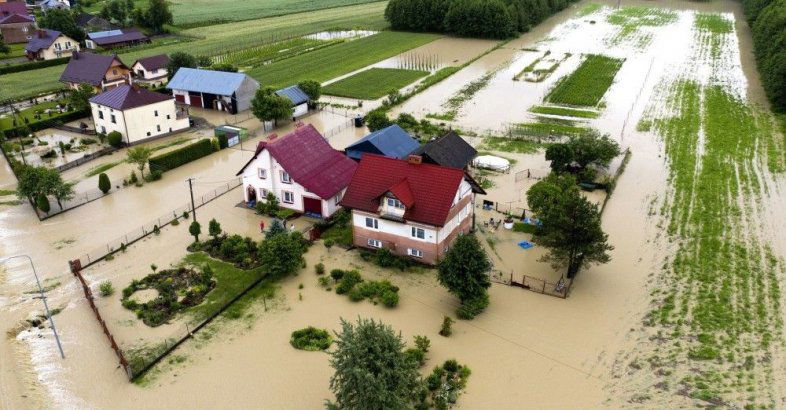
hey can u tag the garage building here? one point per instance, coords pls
(216, 90)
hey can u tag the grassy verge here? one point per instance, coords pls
(503, 144)
(101, 168)
(587, 85)
(373, 83)
(15, 51)
(331, 62)
(564, 111)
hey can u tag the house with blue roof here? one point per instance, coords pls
(298, 97)
(216, 90)
(392, 142)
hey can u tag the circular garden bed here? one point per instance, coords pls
(178, 289)
(311, 339)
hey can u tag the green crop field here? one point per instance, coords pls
(217, 40)
(331, 62)
(587, 85)
(374, 83)
(563, 111)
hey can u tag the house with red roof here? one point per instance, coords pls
(409, 207)
(136, 113)
(301, 169)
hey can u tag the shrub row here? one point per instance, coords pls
(474, 18)
(32, 65)
(181, 156)
(767, 19)
(47, 123)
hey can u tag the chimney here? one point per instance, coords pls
(271, 137)
(415, 159)
(299, 124)
(41, 34)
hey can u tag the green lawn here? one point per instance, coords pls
(29, 113)
(587, 85)
(216, 40)
(563, 111)
(17, 50)
(331, 62)
(374, 83)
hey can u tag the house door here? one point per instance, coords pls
(252, 194)
(312, 206)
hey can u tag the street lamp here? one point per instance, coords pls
(42, 297)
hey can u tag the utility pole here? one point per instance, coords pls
(43, 299)
(191, 189)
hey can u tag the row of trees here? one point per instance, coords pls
(471, 18)
(767, 19)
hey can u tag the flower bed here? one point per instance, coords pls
(235, 249)
(311, 339)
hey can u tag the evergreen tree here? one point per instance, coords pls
(103, 183)
(214, 228)
(464, 272)
(195, 229)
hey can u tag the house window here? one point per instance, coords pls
(262, 173)
(158, 128)
(395, 203)
(262, 193)
(103, 130)
(415, 252)
(68, 44)
(155, 113)
(148, 133)
(101, 115)
(418, 233)
(167, 116)
(374, 243)
(289, 197)
(372, 223)
(285, 178)
(114, 71)
(113, 119)
(337, 199)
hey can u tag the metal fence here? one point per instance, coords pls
(87, 158)
(559, 289)
(119, 243)
(77, 201)
(339, 129)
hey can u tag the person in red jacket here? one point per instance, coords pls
(262, 226)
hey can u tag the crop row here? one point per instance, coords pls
(588, 84)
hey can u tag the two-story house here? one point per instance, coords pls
(101, 71)
(16, 24)
(409, 207)
(151, 70)
(50, 44)
(301, 169)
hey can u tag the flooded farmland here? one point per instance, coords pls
(615, 342)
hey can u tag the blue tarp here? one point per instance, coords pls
(392, 142)
(526, 245)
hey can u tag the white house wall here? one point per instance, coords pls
(403, 229)
(300, 110)
(148, 75)
(140, 123)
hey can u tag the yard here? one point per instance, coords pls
(331, 62)
(588, 84)
(373, 83)
(29, 114)
(16, 50)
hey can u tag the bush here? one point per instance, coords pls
(328, 243)
(153, 175)
(336, 274)
(472, 307)
(434, 380)
(284, 214)
(178, 157)
(348, 281)
(417, 355)
(311, 339)
(355, 295)
(446, 329)
(103, 183)
(423, 343)
(42, 203)
(221, 136)
(389, 298)
(451, 366)
(115, 139)
(319, 268)
(106, 288)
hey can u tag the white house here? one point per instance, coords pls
(151, 70)
(301, 169)
(48, 44)
(136, 113)
(409, 207)
(299, 100)
(217, 90)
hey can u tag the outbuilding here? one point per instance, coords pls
(151, 70)
(123, 37)
(299, 100)
(136, 113)
(217, 90)
(392, 142)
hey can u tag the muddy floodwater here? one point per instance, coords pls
(526, 350)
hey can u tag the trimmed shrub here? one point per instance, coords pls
(337, 274)
(389, 298)
(222, 139)
(319, 268)
(447, 327)
(178, 157)
(103, 183)
(311, 339)
(115, 139)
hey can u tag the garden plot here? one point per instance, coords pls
(588, 84)
(53, 147)
(373, 83)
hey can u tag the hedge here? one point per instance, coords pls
(767, 19)
(178, 157)
(32, 65)
(47, 122)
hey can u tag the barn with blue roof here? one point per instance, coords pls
(298, 97)
(392, 142)
(217, 90)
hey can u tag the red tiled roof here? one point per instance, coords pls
(127, 96)
(432, 187)
(310, 161)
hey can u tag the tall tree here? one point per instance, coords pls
(464, 272)
(79, 98)
(62, 21)
(63, 191)
(195, 229)
(37, 181)
(139, 156)
(267, 106)
(571, 226)
(282, 254)
(156, 15)
(377, 120)
(312, 88)
(179, 59)
(371, 369)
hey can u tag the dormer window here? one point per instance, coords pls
(393, 202)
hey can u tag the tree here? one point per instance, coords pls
(312, 88)
(214, 228)
(4, 49)
(139, 156)
(281, 254)
(582, 151)
(179, 59)
(377, 120)
(267, 106)
(42, 203)
(79, 99)
(571, 228)
(464, 272)
(371, 369)
(117, 10)
(36, 181)
(62, 21)
(62, 191)
(156, 15)
(407, 121)
(224, 67)
(103, 183)
(195, 229)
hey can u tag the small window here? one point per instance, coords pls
(418, 233)
(337, 199)
(374, 243)
(395, 203)
(285, 178)
(103, 130)
(114, 71)
(155, 113)
(158, 128)
(113, 119)
(415, 252)
(262, 193)
(167, 116)
(101, 115)
(372, 223)
(289, 197)
(262, 173)
(148, 133)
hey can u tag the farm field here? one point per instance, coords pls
(564, 111)
(217, 40)
(373, 83)
(588, 84)
(322, 65)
